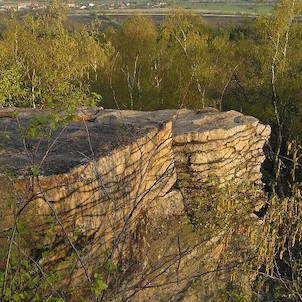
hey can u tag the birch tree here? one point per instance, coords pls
(51, 65)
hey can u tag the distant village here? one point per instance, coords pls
(23, 6)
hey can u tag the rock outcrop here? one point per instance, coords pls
(117, 181)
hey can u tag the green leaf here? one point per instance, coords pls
(21, 227)
(35, 170)
(69, 119)
(9, 203)
(98, 285)
(53, 125)
(8, 292)
(6, 136)
(110, 266)
(56, 300)
(17, 297)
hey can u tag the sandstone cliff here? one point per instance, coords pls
(118, 185)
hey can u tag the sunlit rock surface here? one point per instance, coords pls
(121, 179)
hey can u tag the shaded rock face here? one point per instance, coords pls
(119, 181)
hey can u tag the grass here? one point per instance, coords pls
(215, 7)
(232, 8)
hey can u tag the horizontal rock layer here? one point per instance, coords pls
(110, 175)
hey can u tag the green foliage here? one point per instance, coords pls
(110, 267)
(223, 214)
(235, 294)
(42, 64)
(98, 285)
(266, 54)
(35, 170)
(127, 76)
(272, 248)
(25, 282)
(11, 87)
(42, 126)
(221, 209)
(42, 278)
(193, 60)
(180, 63)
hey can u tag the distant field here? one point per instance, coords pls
(228, 7)
(153, 7)
(76, 21)
(235, 8)
(217, 13)
(206, 8)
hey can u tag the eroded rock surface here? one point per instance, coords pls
(117, 179)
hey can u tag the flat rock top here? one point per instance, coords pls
(103, 131)
(184, 121)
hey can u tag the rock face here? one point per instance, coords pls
(117, 181)
(221, 147)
